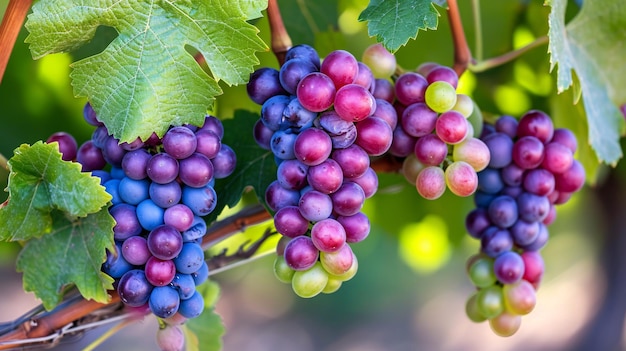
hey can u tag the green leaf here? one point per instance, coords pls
(71, 254)
(40, 182)
(146, 80)
(255, 166)
(587, 45)
(394, 22)
(204, 333)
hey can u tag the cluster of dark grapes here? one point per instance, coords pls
(161, 188)
(532, 169)
(320, 122)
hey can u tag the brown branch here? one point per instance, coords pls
(10, 28)
(281, 42)
(223, 259)
(235, 224)
(462, 55)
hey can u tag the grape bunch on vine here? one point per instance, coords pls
(360, 150)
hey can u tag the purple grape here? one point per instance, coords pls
(292, 71)
(326, 177)
(503, 211)
(386, 111)
(90, 157)
(134, 289)
(278, 197)
(558, 158)
(135, 250)
(508, 125)
(165, 242)
(196, 230)
(99, 136)
(384, 90)
(126, 221)
(196, 170)
(300, 253)
(160, 272)
(565, 137)
(357, 227)
(312, 146)
(418, 120)
(402, 144)
(134, 164)
(342, 133)
(201, 201)
(540, 242)
(495, 241)
(328, 235)
(364, 77)
(112, 152)
(179, 216)
(533, 208)
(476, 222)
(430, 150)
(291, 174)
(133, 145)
(263, 84)
(528, 152)
(374, 135)
(537, 124)
(368, 182)
(150, 215)
(133, 191)
(512, 175)
(180, 142)
(90, 116)
(354, 103)
(316, 92)
(443, 73)
(410, 88)
(262, 135)
(208, 143)
(315, 206)
(524, 233)
(225, 162)
(539, 181)
(162, 168)
(490, 181)
(190, 259)
(67, 145)
(272, 111)
(305, 52)
(353, 161)
(501, 148)
(296, 117)
(282, 144)
(213, 124)
(165, 195)
(164, 301)
(508, 267)
(341, 67)
(289, 222)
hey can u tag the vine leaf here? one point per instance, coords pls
(586, 45)
(146, 80)
(40, 182)
(394, 22)
(71, 254)
(255, 166)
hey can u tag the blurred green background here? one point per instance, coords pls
(410, 291)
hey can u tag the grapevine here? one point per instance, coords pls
(197, 153)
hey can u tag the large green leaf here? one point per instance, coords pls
(255, 166)
(394, 22)
(146, 80)
(591, 45)
(40, 182)
(71, 254)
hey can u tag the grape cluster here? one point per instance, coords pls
(431, 131)
(161, 188)
(320, 122)
(532, 169)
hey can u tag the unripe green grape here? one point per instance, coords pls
(472, 311)
(481, 273)
(310, 282)
(411, 167)
(350, 273)
(505, 324)
(332, 285)
(337, 262)
(519, 298)
(282, 271)
(473, 151)
(379, 60)
(440, 96)
(490, 301)
(464, 105)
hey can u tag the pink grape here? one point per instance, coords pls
(430, 150)
(571, 180)
(451, 127)
(558, 158)
(536, 123)
(341, 67)
(528, 152)
(300, 253)
(520, 297)
(410, 88)
(316, 92)
(337, 262)
(357, 227)
(461, 178)
(431, 182)
(473, 151)
(328, 235)
(326, 177)
(354, 103)
(312, 146)
(374, 135)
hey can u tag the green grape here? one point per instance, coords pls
(411, 167)
(310, 282)
(505, 324)
(464, 105)
(519, 298)
(490, 301)
(337, 262)
(440, 96)
(350, 273)
(379, 60)
(472, 310)
(481, 272)
(282, 271)
(332, 285)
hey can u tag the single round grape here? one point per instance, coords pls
(558, 158)
(503, 211)
(337, 262)
(520, 297)
(464, 105)
(505, 324)
(368, 182)
(201, 201)
(431, 183)
(387, 112)
(325, 177)
(292, 71)
(291, 174)
(381, 61)
(537, 124)
(150, 215)
(328, 235)
(135, 250)
(160, 272)
(126, 222)
(364, 77)
(170, 338)
(353, 161)
(316, 92)
(208, 143)
(461, 178)
(430, 150)
(384, 90)
(476, 222)
(134, 163)
(165, 242)
(272, 111)
(201, 275)
(112, 188)
(262, 135)
(190, 258)
(115, 265)
(290, 222)
(162, 168)
(539, 181)
(490, 301)
(282, 271)
(451, 127)
(354, 103)
(524, 233)
(312, 147)
(133, 288)
(418, 120)
(571, 180)
(164, 301)
(179, 142)
(90, 157)
(300, 253)
(165, 195)
(473, 151)
(402, 144)
(512, 174)
(303, 51)
(315, 206)
(263, 84)
(179, 216)
(472, 311)
(540, 242)
(341, 67)
(310, 282)
(196, 170)
(296, 117)
(348, 199)
(533, 267)
(509, 268)
(213, 124)
(133, 191)
(528, 152)
(278, 197)
(342, 133)
(500, 148)
(357, 227)
(495, 241)
(196, 230)
(282, 144)
(481, 272)
(89, 114)
(192, 307)
(532, 208)
(410, 88)
(374, 135)
(68, 147)
(442, 74)
(565, 137)
(411, 167)
(440, 96)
